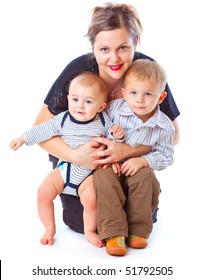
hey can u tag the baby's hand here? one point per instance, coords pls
(17, 143)
(118, 132)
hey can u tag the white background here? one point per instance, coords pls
(38, 39)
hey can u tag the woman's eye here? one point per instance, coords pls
(104, 50)
(123, 48)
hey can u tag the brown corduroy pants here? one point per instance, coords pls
(125, 205)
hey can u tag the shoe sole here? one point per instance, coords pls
(116, 251)
(138, 245)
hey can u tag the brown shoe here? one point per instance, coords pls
(137, 242)
(115, 246)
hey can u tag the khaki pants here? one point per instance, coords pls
(125, 205)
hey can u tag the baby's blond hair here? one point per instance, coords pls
(90, 79)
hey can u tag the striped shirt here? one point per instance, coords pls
(74, 133)
(157, 132)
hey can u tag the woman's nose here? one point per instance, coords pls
(114, 57)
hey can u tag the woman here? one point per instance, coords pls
(114, 33)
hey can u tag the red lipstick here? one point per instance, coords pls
(115, 67)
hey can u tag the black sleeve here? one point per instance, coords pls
(56, 98)
(168, 106)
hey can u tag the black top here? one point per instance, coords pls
(56, 98)
(57, 101)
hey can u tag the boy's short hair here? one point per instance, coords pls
(147, 69)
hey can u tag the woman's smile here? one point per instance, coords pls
(116, 67)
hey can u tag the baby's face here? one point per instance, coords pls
(85, 102)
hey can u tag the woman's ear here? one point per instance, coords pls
(162, 97)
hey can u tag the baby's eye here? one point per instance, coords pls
(148, 94)
(133, 92)
(75, 99)
(88, 101)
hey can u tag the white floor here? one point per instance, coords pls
(175, 241)
(30, 62)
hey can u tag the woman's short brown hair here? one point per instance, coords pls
(114, 16)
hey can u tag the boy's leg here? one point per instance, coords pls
(88, 200)
(47, 192)
(111, 217)
(143, 193)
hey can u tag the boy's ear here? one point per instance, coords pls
(123, 92)
(162, 97)
(102, 107)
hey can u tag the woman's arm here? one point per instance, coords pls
(117, 151)
(59, 149)
(177, 132)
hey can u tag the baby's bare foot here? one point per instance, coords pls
(93, 238)
(48, 237)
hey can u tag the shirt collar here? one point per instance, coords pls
(155, 120)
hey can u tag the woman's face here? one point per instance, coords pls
(114, 51)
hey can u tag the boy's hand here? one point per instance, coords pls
(132, 165)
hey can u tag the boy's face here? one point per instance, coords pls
(85, 102)
(142, 96)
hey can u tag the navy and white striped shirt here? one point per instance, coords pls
(74, 133)
(157, 132)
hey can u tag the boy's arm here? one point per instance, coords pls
(162, 152)
(159, 158)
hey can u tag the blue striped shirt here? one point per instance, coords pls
(157, 132)
(74, 133)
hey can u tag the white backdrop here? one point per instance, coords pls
(38, 39)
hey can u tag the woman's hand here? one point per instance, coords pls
(112, 153)
(116, 152)
(83, 155)
(116, 168)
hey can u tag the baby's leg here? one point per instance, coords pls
(47, 192)
(88, 200)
